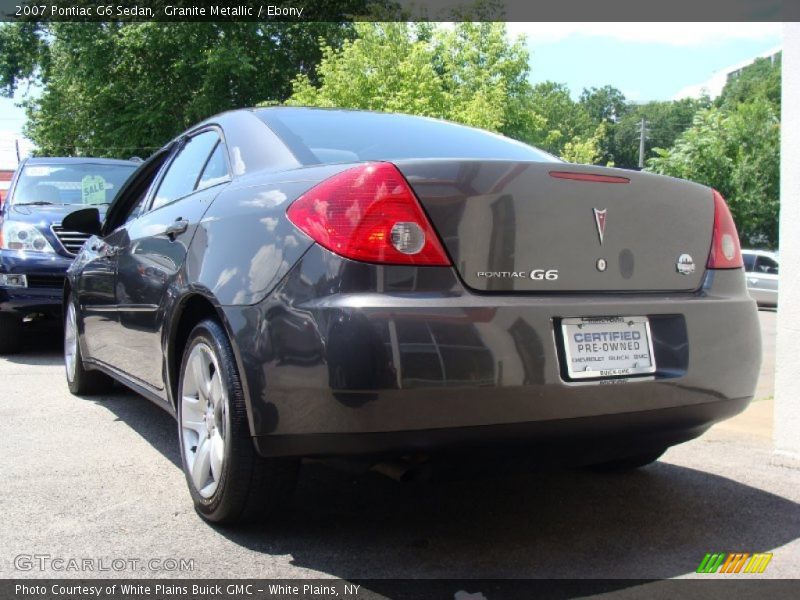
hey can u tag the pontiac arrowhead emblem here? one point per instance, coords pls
(600, 221)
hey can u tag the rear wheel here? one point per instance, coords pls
(81, 381)
(228, 480)
(10, 333)
(630, 462)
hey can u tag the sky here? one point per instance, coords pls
(646, 61)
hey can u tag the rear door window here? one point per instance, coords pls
(184, 172)
(216, 169)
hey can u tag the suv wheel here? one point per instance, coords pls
(81, 381)
(10, 333)
(228, 480)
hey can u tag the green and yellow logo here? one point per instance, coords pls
(734, 562)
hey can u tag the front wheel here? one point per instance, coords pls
(81, 381)
(228, 480)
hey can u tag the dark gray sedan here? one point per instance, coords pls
(293, 282)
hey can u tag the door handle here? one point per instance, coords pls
(179, 226)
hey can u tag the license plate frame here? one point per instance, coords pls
(607, 325)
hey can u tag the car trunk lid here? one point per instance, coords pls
(557, 227)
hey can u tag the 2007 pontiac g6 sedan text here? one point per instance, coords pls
(293, 282)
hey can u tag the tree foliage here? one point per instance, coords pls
(116, 89)
(665, 122)
(470, 74)
(734, 147)
(737, 152)
(565, 122)
(762, 79)
(604, 104)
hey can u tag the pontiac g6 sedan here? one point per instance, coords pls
(293, 283)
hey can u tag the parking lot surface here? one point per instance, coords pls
(99, 478)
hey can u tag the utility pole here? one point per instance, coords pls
(642, 138)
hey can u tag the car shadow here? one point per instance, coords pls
(151, 422)
(42, 344)
(503, 520)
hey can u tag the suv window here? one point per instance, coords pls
(765, 264)
(71, 183)
(749, 261)
(184, 171)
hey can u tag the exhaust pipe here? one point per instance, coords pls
(404, 470)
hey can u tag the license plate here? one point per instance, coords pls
(607, 347)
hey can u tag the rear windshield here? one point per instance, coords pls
(78, 183)
(333, 136)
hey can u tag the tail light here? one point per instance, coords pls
(369, 213)
(725, 250)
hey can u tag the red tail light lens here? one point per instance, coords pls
(369, 213)
(725, 250)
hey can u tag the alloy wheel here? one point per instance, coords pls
(71, 341)
(204, 419)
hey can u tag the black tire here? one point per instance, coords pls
(80, 380)
(629, 463)
(249, 486)
(10, 333)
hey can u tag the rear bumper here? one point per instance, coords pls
(46, 274)
(337, 367)
(554, 442)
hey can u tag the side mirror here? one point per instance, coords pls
(86, 220)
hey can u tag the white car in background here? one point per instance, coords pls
(761, 271)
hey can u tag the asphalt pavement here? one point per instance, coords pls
(100, 479)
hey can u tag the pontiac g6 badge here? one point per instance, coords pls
(600, 221)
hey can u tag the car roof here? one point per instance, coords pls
(67, 160)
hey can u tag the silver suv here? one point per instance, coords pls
(761, 270)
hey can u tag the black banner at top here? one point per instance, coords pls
(401, 10)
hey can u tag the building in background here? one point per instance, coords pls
(12, 148)
(787, 400)
(5, 181)
(714, 85)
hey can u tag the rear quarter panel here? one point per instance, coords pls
(245, 244)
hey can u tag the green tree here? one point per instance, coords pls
(386, 67)
(666, 121)
(762, 79)
(116, 89)
(588, 151)
(736, 152)
(562, 120)
(604, 104)
(470, 74)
